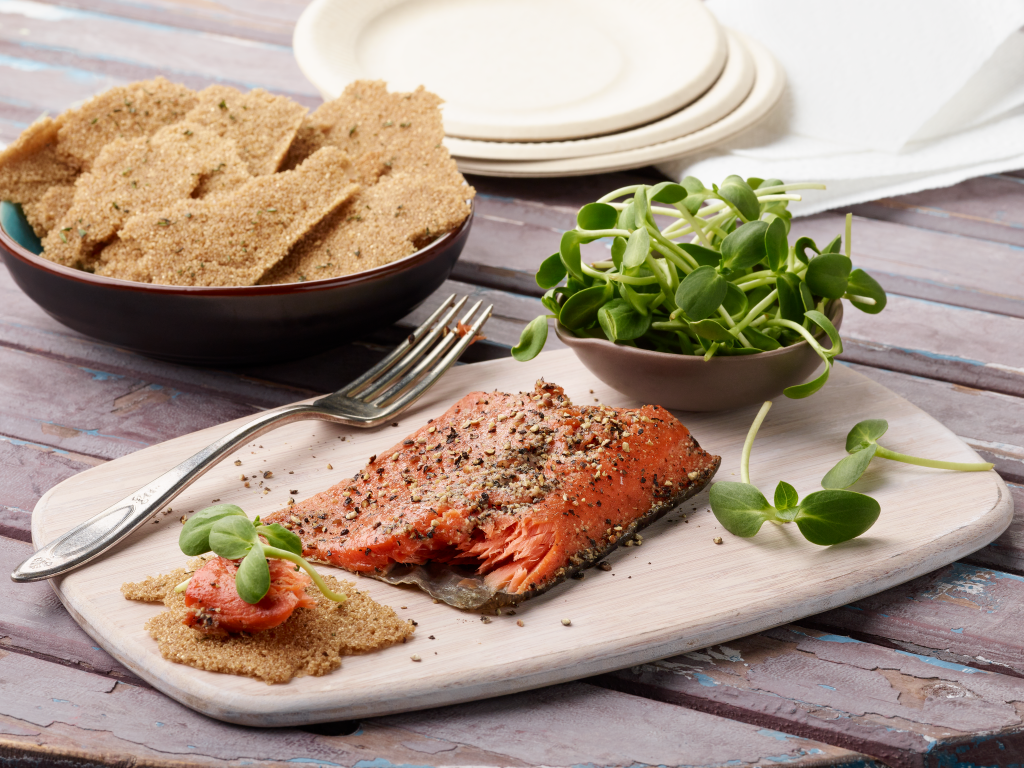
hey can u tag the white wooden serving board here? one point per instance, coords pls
(677, 592)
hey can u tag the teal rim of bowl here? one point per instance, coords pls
(14, 223)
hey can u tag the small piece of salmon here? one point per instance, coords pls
(215, 606)
(519, 490)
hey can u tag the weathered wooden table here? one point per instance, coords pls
(929, 673)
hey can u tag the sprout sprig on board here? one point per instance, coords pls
(823, 517)
(862, 445)
(228, 532)
(720, 279)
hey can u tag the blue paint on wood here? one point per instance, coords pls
(835, 639)
(91, 432)
(31, 65)
(828, 687)
(777, 735)
(944, 664)
(16, 441)
(101, 375)
(707, 682)
(380, 762)
(958, 631)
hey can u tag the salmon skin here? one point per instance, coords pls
(504, 496)
(215, 606)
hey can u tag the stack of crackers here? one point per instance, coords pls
(155, 183)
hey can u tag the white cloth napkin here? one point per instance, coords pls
(883, 97)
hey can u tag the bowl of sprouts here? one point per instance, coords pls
(706, 300)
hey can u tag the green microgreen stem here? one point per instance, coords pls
(620, 192)
(754, 276)
(959, 466)
(183, 586)
(862, 299)
(749, 442)
(683, 258)
(604, 232)
(663, 281)
(291, 557)
(762, 191)
(752, 284)
(696, 225)
(589, 270)
(711, 351)
(757, 309)
(803, 332)
(727, 319)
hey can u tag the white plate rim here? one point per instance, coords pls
(726, 94)
(768, 89)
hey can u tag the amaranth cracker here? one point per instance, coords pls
(262, 124)
(236, 238)
(30, 166)
(45, 213)
(406, 128)
(311, 642)
(134, 176)
(383, 223)
(125, 112)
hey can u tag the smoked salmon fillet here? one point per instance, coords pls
(504, 495)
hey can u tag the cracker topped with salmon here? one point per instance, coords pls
(504, 496)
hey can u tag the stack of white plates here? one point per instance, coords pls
(550, 87)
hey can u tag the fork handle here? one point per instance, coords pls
(102, 531)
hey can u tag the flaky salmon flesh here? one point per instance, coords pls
(520, 491)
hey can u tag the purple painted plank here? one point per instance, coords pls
(24, 326)
(906, 710)
(264, 20)
(938, 266)
(987, 208)
(51, 35)
(566, 725)
(991, 423)
(34, 621)
(963, 346)
(97, 412)
(27, 471)
(1007, 552)
(962, 614)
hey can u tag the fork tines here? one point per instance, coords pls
(415, 364)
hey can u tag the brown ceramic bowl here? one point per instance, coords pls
(687, 382)
(232, 325)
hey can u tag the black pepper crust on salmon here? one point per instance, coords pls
(504, 496)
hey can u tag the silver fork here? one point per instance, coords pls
(387, 389)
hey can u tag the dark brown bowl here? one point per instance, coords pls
(688, 382)
(232, 325)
